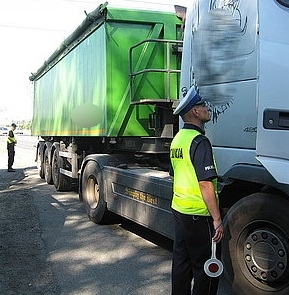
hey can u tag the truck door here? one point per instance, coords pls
(220, 55)
(273, 102)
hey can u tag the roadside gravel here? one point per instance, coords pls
(24, 266)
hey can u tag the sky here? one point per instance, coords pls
(30, 31)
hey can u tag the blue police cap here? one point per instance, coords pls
(191, 99)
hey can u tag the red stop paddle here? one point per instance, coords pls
(213, 267)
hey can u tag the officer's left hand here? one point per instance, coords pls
(219, 232)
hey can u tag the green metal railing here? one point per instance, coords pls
(169, 48)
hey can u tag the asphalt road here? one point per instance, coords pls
(48, 245)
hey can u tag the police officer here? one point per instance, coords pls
(197, 217)
(11, 142)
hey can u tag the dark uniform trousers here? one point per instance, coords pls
(11, 154)
(192, 247)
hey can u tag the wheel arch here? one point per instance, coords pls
(243, 180)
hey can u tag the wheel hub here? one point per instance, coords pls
(92, 192)
(265, 256)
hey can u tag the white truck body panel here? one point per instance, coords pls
(272, 144)
(228, 49)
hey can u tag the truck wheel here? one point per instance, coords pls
(40, 162)
(256, 245)
(93, 193)
(47, 168)
(60, 181)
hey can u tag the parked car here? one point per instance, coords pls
(18, 131)
(3, 130)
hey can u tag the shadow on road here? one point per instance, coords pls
(48, 245)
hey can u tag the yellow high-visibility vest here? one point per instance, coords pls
(187, 197)
(11, 139)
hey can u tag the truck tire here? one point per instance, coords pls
(60, 181)
(47, 168)
(40, 162)
(256, 245)
(93, 193)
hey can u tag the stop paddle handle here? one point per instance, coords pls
(213, 267)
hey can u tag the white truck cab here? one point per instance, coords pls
(236, 52)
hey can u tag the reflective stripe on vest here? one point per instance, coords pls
(187, 196)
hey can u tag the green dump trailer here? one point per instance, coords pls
(103, 112)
